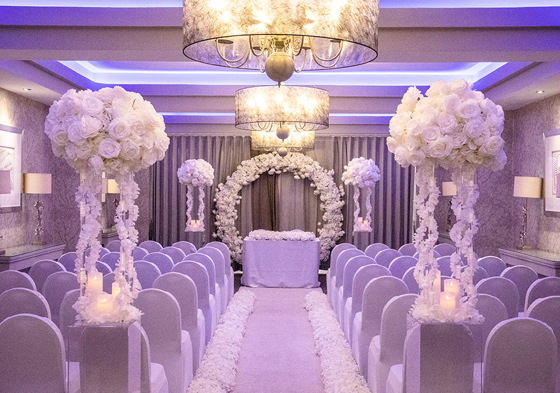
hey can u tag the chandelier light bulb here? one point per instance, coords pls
(282, 152)
(283, 132)
(279, 66)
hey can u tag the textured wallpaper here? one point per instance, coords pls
(60, 214)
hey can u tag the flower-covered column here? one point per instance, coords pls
(195, 173)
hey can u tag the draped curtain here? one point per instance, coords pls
(280, 202)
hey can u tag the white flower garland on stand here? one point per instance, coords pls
(195, 173)
(453, 127)
(303, 167)
(339, 370)
(118, 132)
(361, 173)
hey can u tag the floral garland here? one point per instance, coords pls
(195, 173)
(118, 132)
(303, 167)
(218, 368)
(297, 235)
(361, 173)
(339, 370)
(458, 129)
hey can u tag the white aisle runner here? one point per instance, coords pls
(278, 353)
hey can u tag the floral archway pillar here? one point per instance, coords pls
(195, 173)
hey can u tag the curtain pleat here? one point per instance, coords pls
(280, 201)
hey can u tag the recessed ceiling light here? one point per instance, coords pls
(540, 91)
(26, 89)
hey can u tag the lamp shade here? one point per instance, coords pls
(37, 183)
(527, 187)
(5, 182)
(448, 188)
(112, 187)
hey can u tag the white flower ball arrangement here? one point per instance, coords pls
(195, 173)
(361, 173)
(112, 130)
(452, 124)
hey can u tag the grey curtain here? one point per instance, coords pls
(281, 202)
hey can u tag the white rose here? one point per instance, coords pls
(122, 107)
(447, 123)
(149, 157)
(136, 125)
(458, 139)
(431, 133)
(413, 143)
(474, 128)
(469, 109)
(91, 126)
(441, 147)
(416, 157)
(75, 132)
(118, 129)
(391, 144)
(459, 86)
(106, 94)
(71, 151)
(397, 123)
(59, 138)
(83, 151)
(401, 155)
(429, 116)
(91, 105)
(413, 127)
(451, 103)
(492, 146)
(97, 164)
(129, 150)
(438, 88)
(109, 148)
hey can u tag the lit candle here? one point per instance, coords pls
(95, 283)
(82, 276)
(116, 289)
(436, 285)
(105, 303)
(448, 301)
(452, 285)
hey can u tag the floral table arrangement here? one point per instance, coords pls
(295, 235)
(457, 128)
(361, 173)
(118, 132)
(195, 173)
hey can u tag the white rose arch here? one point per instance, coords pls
(303, 167)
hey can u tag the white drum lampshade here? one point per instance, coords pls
(527, 187)
(37, 183)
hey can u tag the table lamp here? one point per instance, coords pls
(448, 188)
(526, 187)
(37, 183)
(5, 188)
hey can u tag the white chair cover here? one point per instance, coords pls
(338, 279)
(108, 280)
(444, 265)
(444, 249)
(68, 260)
(543, 287)
(494, 266)
(111, 259)
(147, 272)
(331, 271)
(15, 279)
(113, 246)
(408, 249)
(206, 302)
(522, 276)
(221, 278)
(373, 249)
(503, 289)
(184, 289)
(55, 289)
(386, 349)
(176, 254)
(385, 257)
(436, 254)
(42, 269)
(494, 312)
(163, 261)
(153, 378)
(213, 287)
(228, 269)
(31, 355)
(138, 253)
(400, 265)
(103, 268)
(368, 322)
(150, 246)
(23, 301)
(345, 291)
(411, 282)
(169, 345)
(362, 277)
(520, 357)
(547, 310)
(187, 247)
(67, 318)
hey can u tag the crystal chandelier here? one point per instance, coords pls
(282, 117)
(281, 37)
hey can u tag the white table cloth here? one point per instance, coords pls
(280, 263)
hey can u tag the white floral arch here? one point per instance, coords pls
(303, 167)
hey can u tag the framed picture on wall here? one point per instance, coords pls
(552, 173)
(10, 168)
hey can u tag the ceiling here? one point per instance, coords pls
(507, 50)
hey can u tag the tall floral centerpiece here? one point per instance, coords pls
(455, 127)
(195, 173)
(118, 132)
(361, 173)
